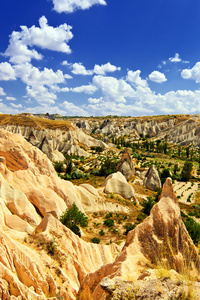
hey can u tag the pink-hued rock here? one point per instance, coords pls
(162, 236)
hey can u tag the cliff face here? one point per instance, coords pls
(42, 259)
(176, 129)
(39, 256)
(161, 240)
(54, 141)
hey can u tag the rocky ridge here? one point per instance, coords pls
(52, 140)
(177, 129)
(161, 240)
(40, 258)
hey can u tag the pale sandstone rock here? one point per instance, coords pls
(20, 268)
(90, 188)
(161, 236)
(40, 183)
(126, 166)
(49, 140)
(116, 183)
(81, 257)
(18, 204)
(16, 223)
(152, 179)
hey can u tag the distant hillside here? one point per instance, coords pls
(34, 122)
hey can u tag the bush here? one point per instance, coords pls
(193, 229)
(108, 167)
(109, 222)
(129, 227)
(101, 232)
(186, 171)
(73, 217)
(147, 205)
(58, 166)
(109, 215)
(95, 240)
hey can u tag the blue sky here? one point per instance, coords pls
(100, 57)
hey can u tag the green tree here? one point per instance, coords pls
(165, 147)
(147, 205)
(179, 151)
(176, 168)
(186, 171)
(59, 167)
(73, 217)
(152, 146)
(188, 151)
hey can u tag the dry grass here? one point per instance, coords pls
(34, 122)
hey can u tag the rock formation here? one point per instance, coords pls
(126, 166)
(42, 259)
(116, 183)
(152, 179)
(52, 141)
(29, 171)
(161, 240)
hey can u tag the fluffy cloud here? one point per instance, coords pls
(41, 85)
(45, 37)
(113, 89)
(103, 69)
(193, 73)
(104, 108)
(87, 89)
(79, 69)
(134, 78)
(33, 76)
(8, 109)
(73, 110)
(177, 58)
(70, 6)
(95, 100)
(16, 105)
(7, 72)
(157, 76)
(11, 98)
(41, 94)
(2, 93)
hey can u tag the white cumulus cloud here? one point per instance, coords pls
(7, 72)
(135, 78)
(33, 76)
(16, 105)
(21, 44)
(95, 100)
(87, 89)
(193, 73)
(2, 93)
(69, 6)
(157, 76)
(41, 94)
(79, 69)
(73, 110)
(176, 58)
(113, 89)
(11, 98)
(103, 69)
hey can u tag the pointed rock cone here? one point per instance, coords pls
(160, 240)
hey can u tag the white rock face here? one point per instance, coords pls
(116, 183)
(52, 142)
(152, 179)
